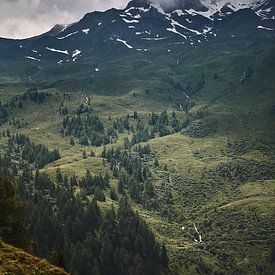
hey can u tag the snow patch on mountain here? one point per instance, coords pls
(154, 39)
(125, 43)
(176, 32)
(57, 51)
(32, 58)
(264, 28)
(86, 31)
(175, 23)
(130, 21)
(76, 53)
(68, 35)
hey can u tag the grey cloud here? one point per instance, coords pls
(25, 18)
(165, 3)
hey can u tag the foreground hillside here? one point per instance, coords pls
(16, 261)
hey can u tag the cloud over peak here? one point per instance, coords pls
(25, 18)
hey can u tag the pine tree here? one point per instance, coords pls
(120, 187)
(84, 154)
(113, 194)
(58, 175)
(149, 189)
(135, 115)
(99, 195)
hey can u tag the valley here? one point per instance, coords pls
(184, 131)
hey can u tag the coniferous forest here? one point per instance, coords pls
(48, 218)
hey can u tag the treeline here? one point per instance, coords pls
(89, 129)
(37, 154)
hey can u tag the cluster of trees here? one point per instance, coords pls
(63, 110)
(36, 154)
(88, 128)
(37, 97)
(18, 123)
(162, 121)
(94, 185)
(161, 124)
(121, 124)
(33, 94)
(158, 124)
(141, 133)
(133, 176)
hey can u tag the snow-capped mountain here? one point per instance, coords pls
(142, 27)
(264, 8)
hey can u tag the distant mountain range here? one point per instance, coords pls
(142, 27)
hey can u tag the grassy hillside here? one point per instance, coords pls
(16, 261)
(215, 182)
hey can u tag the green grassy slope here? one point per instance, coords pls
(16, 261)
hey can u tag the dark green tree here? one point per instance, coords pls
(164, 257)
(113, 194)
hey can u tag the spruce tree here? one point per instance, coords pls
(113, 194)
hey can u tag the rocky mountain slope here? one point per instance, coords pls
(142, 27)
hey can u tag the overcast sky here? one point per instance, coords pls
(25, 18)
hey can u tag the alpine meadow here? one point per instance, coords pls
(141, 141)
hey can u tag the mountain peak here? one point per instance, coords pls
(139, 4)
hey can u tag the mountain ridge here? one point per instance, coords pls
(139, 27)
